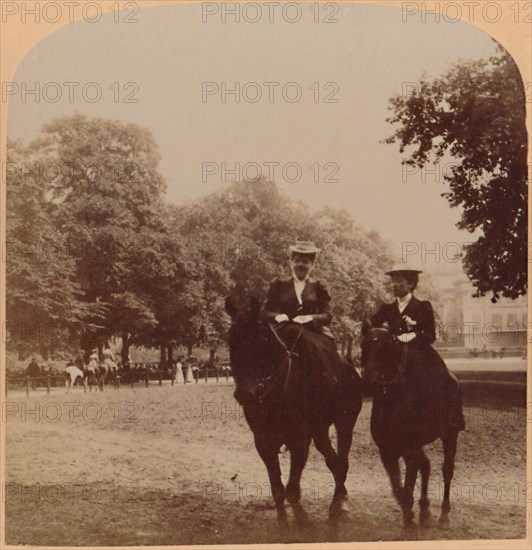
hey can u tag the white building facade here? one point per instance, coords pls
(473, 322)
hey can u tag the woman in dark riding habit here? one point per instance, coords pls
(305, 301)
(408, 318)
(412, 322)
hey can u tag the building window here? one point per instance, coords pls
(512, 321)
(525, 319)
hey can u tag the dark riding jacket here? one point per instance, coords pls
(419, 311)
(316, 301)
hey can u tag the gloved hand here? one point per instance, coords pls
(302, 319)
(281, 318)
(410, 323)
(406, 337)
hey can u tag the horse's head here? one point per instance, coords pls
(380, 356)
(247, 336)
(242, 306)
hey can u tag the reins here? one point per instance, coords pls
(398, 379)
(289, 354)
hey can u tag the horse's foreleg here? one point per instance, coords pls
(298, 459)
(449, 452)
(424, 503)
(323, 445)
(412, 467)
(345, 439)
(391, 465)
(269, 454)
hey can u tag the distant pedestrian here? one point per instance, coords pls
(185, 369)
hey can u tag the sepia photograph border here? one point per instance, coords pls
(17, 39)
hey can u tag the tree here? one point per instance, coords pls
(353, 262)
(239, 237)
(476, 114)
(105, 197)
(42, 294)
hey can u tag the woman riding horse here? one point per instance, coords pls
(411, 321)
(416, 399)
(305, 301)
(290, 381)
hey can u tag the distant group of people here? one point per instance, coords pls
(183, 370)
(80, 368)
(34, 371)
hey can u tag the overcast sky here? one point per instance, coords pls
(369, 55)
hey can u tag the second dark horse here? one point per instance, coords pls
(286, 401)
(411, 409)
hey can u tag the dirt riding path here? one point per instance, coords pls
(157, 466)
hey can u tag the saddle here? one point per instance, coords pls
(427, 383)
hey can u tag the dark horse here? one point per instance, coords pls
(411, 408)
(286, 401)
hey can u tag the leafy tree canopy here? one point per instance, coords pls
(476, 114)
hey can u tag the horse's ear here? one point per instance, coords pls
(366, 325)
(254, 306)
(229, 307)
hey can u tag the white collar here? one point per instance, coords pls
(300, 281)
(299, 286)
(404, 300)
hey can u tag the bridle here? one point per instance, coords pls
(269, 382)
(384, 385)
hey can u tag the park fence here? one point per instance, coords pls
(125, 378)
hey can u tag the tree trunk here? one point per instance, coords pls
(125, 349)
(190, 347)
(170, 352)
(212, 354)
(163, 355)
(44, 352)
(21, 354)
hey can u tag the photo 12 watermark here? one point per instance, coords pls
(70, 92)
(453, 252)
(270, 171)
(44, 253)
(513, 91)
(70, 412)
(474, 491)
(228, 252)
(50, 172)
(270, 12)
(74, 492)
(470, 12)
(270, 92)
(54, 12)
(441, 172)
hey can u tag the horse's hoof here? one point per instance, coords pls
(282, 518)
(344, 505)
(338, 509)
(278, 495)
(410, 530)
(293, 494)
(334, 510)
(443, 522)
(425, 518)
